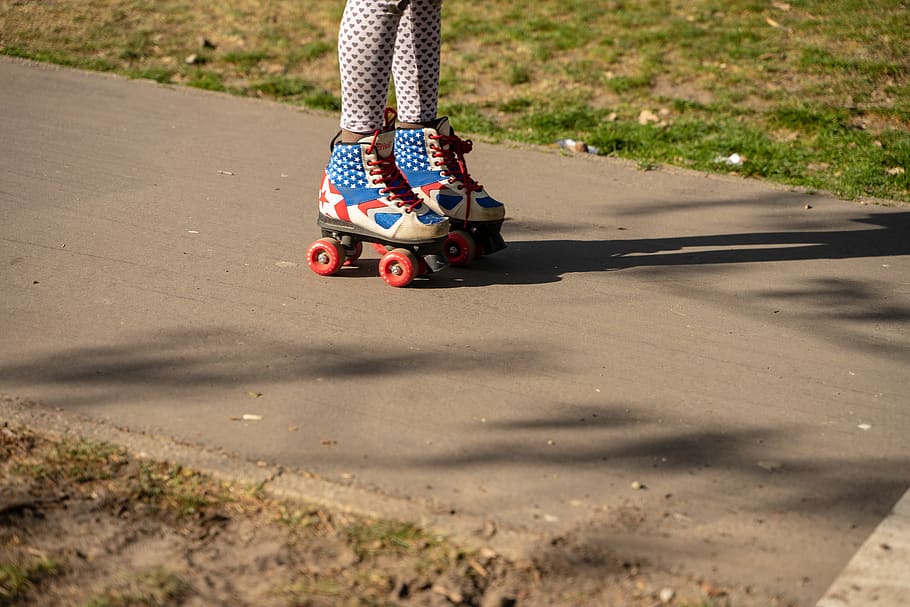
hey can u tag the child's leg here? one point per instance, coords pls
(366, 44)
(427, 151)
(416, 61)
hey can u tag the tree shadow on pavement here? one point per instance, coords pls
(716, 500)
(864, 312)
(168, 361)
(604, 442)
(619, 436)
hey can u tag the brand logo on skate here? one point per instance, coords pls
(383, 147)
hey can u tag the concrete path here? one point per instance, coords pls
(879, 573)
(736, 350)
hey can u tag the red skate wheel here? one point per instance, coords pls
(325, 256)
(381, 249)
(459, 248)
(354, 254)
(398, 267)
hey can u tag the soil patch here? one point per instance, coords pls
(84, 523)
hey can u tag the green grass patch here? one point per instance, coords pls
(835, 74)
(162, 75)
(518, 74)
(208, 80)
(138, 45)
(368, 538)
(310, 51)
(16, 579)
(813, 119)
(174, 489)
(470, 119)
(79, 461)
(61, 58)
(246, 60)
(158, 587)
(299, 91)
(323, 100)
(283, 86)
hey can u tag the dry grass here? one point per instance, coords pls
(87, 523)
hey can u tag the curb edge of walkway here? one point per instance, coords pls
(277, 481)
(879, 572)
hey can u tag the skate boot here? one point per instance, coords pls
(364, 198)
(432, 160)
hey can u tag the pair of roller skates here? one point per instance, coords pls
(407, 192)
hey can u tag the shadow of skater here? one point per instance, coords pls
(544, 261)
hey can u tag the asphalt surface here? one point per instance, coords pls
(735, 350)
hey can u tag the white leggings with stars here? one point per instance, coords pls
(379, 38)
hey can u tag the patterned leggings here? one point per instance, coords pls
(382, 37)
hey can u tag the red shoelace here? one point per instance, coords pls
(386, 172)
(452, 150)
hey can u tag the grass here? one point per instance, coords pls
(169, 489)
(83, 549)
(376, 543)
(17, 578)
(810, 93)
(80, 461)
(158, 587)
(83, 469)
(371, 537)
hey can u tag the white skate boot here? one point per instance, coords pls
(432, 160)
(365, 198)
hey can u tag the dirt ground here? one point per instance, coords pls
(89, 524)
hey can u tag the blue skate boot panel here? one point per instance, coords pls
(387, 220)
(430, 218)
(449, 202)
(353, 197)
(488, 203)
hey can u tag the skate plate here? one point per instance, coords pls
(469, 240)
(342, 244)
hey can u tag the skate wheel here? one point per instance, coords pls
(459, 248)
(352, 255)
(398, 267)
(325, 256)
(381, 249)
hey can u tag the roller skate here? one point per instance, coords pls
(432, 160)
(365, 199)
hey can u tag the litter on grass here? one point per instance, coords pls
(577, 146)
(732, 160)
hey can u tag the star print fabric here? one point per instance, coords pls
(346, 167)
(411, 150)
(379, 39)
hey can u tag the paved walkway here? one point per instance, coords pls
(879, 574)
(736, 350)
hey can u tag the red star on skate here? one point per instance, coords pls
(329, 196)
